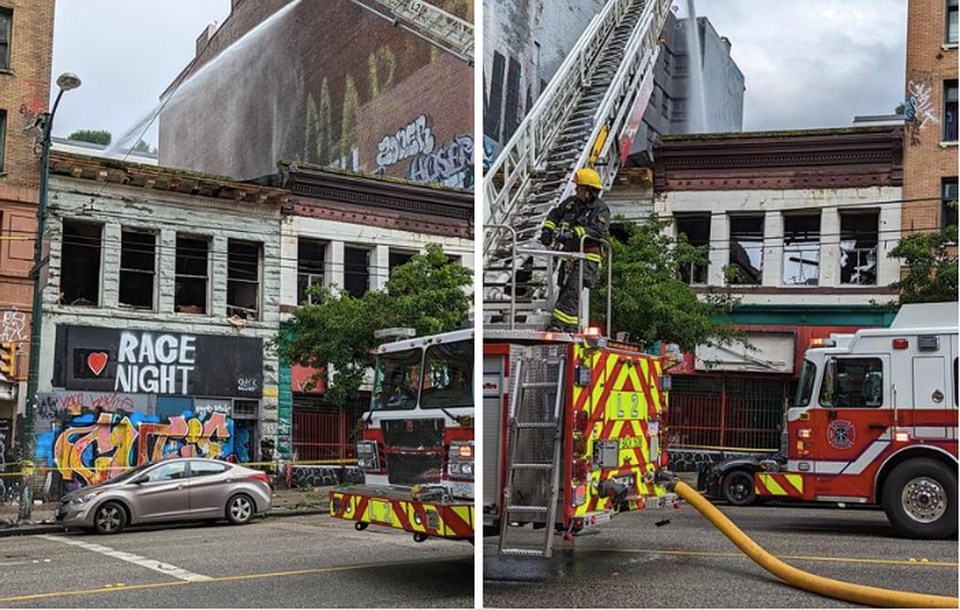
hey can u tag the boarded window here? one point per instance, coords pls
(356, 271)
(310, 266)
(138, 261)
(695, 228)
(858, 247)
(801, 250)
(243, 279)
(80, 264)
(746, 250)
(192, 271)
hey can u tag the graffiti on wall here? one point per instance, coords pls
(451, 165)
(918, 109)
(97, 445)
(13, 326)
(414, 139)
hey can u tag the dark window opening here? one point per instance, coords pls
(80, 264)
(356, 272)
(859, 236)
(952, 21)
(948, 203)
(243, 279)
(192, 269)
(696, 229)
(801, 250)
(3, 137)
(6, 27)
(746, 250)
(399, 258)
(950, 111)
(137, 264)
(311, 258)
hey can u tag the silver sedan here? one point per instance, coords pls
(179, 489)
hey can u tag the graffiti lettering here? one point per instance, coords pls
(53, 406)
(452, 165)
(415, 138)
(247, 384)
(918, 109)
(13, 326)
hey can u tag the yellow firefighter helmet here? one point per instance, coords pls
(588, 177)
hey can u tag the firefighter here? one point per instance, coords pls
(582, 214)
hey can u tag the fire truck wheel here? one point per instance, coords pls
(919, 498)
(738, 488)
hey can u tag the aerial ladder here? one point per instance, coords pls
(580, 120)
(426, 21)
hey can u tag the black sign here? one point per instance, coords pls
(151, 362)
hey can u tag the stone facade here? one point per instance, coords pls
(161, 372)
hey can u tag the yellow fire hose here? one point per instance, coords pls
(837, 589)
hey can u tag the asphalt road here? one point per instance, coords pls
(687, 563)
(305, 561)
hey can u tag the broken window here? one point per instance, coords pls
(80, 263)
(859, 233)
(801, 250)
(243, 279)
(310, 264)
(399, 258)
(696, 229)
(746, 250)
(948, 203)
(138, 262)
(356, 271)
(191, 281)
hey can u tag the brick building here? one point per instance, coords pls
(162, 296)
(325, 83)
(26, 35)
(930, 137)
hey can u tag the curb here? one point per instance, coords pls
(48, 528)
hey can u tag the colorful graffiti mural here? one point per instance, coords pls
(94, 446)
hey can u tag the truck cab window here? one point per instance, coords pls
(805, 388)
(397, 380)
(448, 376)
(852, 383)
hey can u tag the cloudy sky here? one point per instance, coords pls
(807, 63)
(126, 52)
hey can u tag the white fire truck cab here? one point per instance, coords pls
(417, 451)
(875, 422)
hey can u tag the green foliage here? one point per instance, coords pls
(651, 302)
(427, 294)
(143, 147)
(931, 262)
(94, 136)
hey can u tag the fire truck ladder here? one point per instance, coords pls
(533, 470)
(580, 120)
(433, 24)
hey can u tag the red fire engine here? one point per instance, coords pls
(417, 449)
(875, 422)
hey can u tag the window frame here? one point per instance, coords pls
(949, 108)
(951, 19)
(126, 271)
(945, 200)
(232, 280)
(307, 274)
(5, 46)
(829, 382)
(178, 276)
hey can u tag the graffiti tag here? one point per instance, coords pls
(918, 109)
(247, 384)
(415, 138)
(452, 165)
(13, 326)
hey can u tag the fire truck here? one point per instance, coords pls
(417, 451)
(874, 422)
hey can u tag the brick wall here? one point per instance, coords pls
(927, 160)
(325, 83)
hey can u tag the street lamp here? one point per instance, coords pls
(66, 82)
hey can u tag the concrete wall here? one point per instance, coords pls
(325, 83)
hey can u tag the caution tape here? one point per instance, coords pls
(30, 471)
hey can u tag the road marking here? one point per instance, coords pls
(898, 562)
(25, 562)
(214, 579)
(150, 564)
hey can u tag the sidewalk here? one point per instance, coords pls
(286, 502)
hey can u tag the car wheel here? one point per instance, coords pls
(110, 518)
(240, 509)
(919, 498)
(738, 488)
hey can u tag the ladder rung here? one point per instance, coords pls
(527, 509)
(522, 552)
(540, 384)
(532, 466)
(544, 425)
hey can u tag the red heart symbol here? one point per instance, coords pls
(97, 361)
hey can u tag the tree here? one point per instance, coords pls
(94, 136)
(143, 147)
(650, 301)
(931, 263)
(427, 294)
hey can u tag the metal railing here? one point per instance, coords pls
(428, 22)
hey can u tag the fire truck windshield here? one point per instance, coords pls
(397, 380)
(448, 376)
(805, 387)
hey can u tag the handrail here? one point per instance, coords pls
(513, 276)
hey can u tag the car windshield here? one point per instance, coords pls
(805, 388)
(448, 376)
(397, 380)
